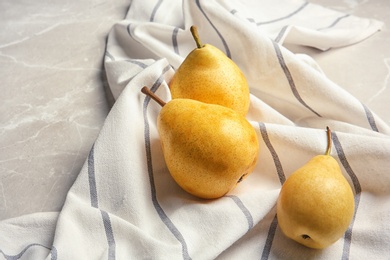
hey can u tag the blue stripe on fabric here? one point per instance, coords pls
(290, 79)
(285, 17)
(163, 216)
(358, 190)
(227, 50)
(244, 210)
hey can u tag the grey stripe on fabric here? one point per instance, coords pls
(345, 163)
(358, 190)
(91, 179)
(138, 63)
(227, 50)
(234, 11)
(131, 34)
(334, 23)
(129, 30)
(134, 61)
(370, 118)
(285, 17)
(290, 79)
(163, 216)
(174, 40)
(110, 56)
(95, 203)
(54, 253)
(275, 157)
(251, 20)
(18, 256)
(244, 210)
(281, 33)
(270, 239)
(109, 234)
(282, 179)
(152, 16)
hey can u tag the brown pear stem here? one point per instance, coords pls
(149, 93)
(329, 137)
(194, 32)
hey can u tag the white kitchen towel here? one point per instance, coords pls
(124, 203)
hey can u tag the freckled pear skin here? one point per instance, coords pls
(208, 75)
(207, 148)
(316, 203)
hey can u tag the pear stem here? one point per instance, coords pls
(149, 93)
(194, 32)
(329, 138)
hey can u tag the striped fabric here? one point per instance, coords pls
(124, 203)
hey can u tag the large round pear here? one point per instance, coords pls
(316, 203)
(208, 75)
(208, 148)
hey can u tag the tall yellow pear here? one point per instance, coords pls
(208, 75)
(208, 148)
(316, 203)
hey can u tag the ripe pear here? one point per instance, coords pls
(208, 148)
(208, 75)
(316, 203)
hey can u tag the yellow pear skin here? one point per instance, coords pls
(316, 203)
(208, 75)
(208, 148)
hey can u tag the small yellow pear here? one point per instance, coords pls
(208, 148)
(208, 75)
(316, 203)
